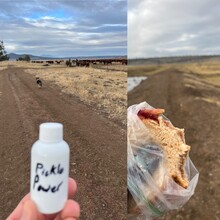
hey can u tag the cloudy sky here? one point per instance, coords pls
(64, 27)
(159, 28)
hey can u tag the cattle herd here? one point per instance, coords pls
(85, 62)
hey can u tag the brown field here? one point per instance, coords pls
(208, 70)
(116, 67)
(145, 70)
(190, 94)
(104, 88)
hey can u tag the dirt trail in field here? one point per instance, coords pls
(193, 104)
(98, 146)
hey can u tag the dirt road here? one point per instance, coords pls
(98, 146)
(193, 104)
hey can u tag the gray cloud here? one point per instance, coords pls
(64, 27)
(171, 28)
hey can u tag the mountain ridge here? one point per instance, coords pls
(14, 56)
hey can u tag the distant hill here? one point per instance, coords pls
(172, 60)
(14, 56)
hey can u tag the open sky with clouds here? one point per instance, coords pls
(64, 27)
(158, 28)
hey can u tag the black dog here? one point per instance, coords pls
(39, 82)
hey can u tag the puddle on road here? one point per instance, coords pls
(134, 82)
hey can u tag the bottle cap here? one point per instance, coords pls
(51, 132)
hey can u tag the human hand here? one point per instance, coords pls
(27, 210)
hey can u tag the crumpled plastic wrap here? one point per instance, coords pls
(153, 190)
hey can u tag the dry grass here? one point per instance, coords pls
(106, 90)
(202, 68)
(4, 65)
(24, 64)
(213, 80)
(110, 67)
(209, 100)
(2, 68)
(206, 70)
(146, 70)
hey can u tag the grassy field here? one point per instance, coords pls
(103, 89)
(145, 70)
(208, 70)
(116, 67)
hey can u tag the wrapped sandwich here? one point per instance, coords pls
(161, 176)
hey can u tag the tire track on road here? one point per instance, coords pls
(28, 127)
(98, 146)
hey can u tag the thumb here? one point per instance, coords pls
(29, 211)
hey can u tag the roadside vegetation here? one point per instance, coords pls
(208, 71)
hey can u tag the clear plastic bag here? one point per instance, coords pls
(146, 172)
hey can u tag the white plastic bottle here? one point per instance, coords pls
(50, 169)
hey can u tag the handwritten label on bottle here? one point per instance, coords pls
(41, 172)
